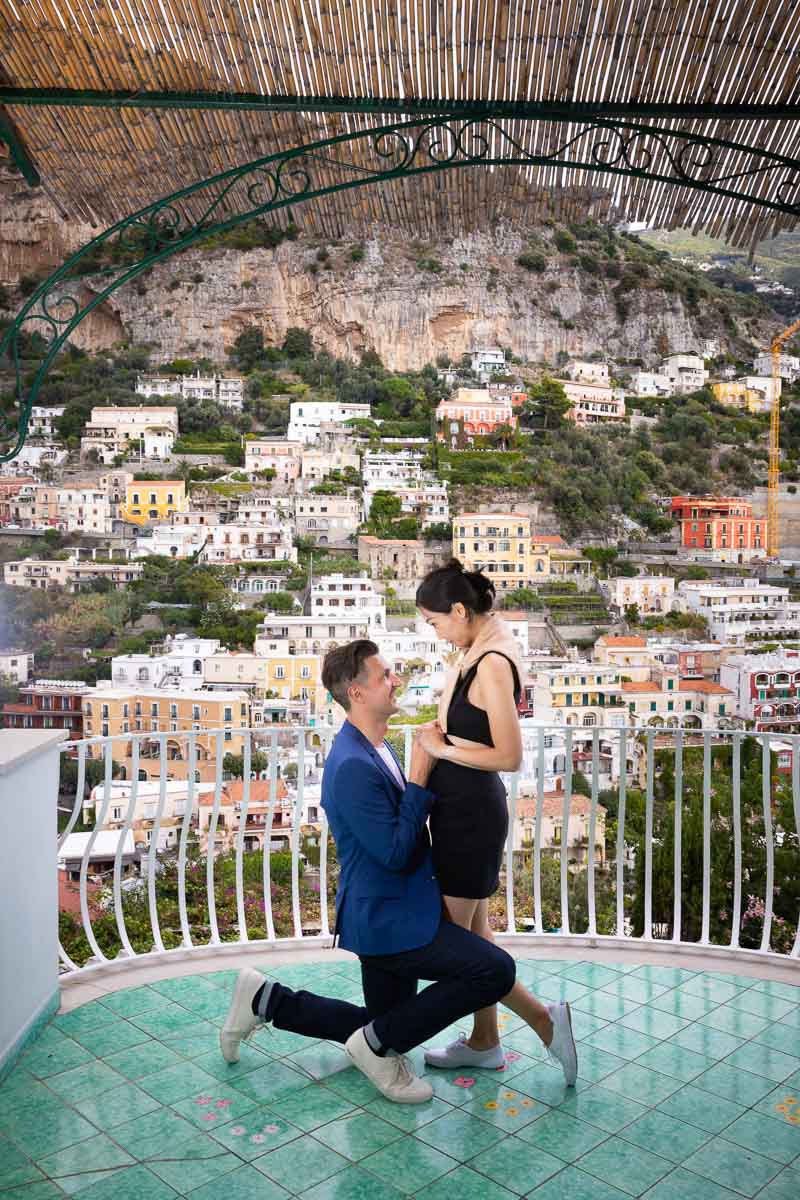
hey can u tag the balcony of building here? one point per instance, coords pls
(678, 952)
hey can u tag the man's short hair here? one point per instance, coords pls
(343, 665)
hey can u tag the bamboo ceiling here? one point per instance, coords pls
(102, 163)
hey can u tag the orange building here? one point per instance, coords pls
(720, 527)
(473, 412)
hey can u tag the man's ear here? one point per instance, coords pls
(459, 609)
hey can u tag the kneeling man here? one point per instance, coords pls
(388, 909)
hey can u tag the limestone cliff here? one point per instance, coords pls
(408, 301)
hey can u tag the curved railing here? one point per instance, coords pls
(694, 848)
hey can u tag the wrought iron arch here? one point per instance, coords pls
(399, 150)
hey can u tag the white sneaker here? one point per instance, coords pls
(392, 1075)
(562, 1048)
(459, 1054)
(240, 1021)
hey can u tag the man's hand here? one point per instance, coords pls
(421, 762)
(432, 738)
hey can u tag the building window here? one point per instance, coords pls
(279, 672)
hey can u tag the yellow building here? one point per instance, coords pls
(740, 394)
(274, 669)
(500, 545)
(111, 712)
(153, 500)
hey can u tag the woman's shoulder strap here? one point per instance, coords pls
(473, 669)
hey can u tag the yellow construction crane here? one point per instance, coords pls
(773, 477)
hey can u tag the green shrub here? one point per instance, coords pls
(532, 262)
(357, 254)
(565, 242)
(430, 264)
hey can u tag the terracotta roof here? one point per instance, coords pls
(703, 685)
(547, 539)
(648, 686)
(631, 642)
(233, 792)
(554, 805)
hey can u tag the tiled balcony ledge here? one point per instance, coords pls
(92, 982)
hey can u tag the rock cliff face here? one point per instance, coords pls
(408, 302)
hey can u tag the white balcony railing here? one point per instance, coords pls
(695, 849)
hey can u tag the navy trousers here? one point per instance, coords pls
(468, 973)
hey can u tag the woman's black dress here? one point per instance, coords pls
(469, 821)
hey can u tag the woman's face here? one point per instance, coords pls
(454, 626)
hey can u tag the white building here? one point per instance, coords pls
(221, 389)
(74, 574)
(307, 416)
(178, 661)
(41, 423)
(766, 387)
(588, 372)
(387, 472)
(258, 583)
(742, 610)
(651, 383)
(221, 543)
(15, 665)
(348, 596)
(306, 634)
(429, 503)
(157, 444)
(34, 458)
(147, 801)
(766, 687)
(593, 403)
(650, 593)
(84, 509)
(316, 463)
(328, 519)
(110, 431)
(789, 367)
(686, 372)
(488, 362)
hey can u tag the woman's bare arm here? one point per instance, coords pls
(496, 687)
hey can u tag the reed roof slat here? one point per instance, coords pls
(102, 163)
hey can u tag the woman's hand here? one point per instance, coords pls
(431, 738)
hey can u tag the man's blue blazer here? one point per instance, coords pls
(388, 899)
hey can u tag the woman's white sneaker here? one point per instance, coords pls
(392, 1075)
(562, 1047)
(240, 1021)
(460, 1054)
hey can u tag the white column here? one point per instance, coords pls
(29, 770)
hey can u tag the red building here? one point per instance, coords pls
(720, 527)
(48, 704)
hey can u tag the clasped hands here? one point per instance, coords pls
(427, 746)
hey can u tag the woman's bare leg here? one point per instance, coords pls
(485, 1027)
(485, 1030)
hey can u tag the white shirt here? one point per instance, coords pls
(391, 763)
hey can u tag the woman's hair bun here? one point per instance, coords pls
(484, 589)
(451, 584)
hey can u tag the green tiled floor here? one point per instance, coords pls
(689, 1089)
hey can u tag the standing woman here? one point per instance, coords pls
(476, 736)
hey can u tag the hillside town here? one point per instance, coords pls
(321, 535)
